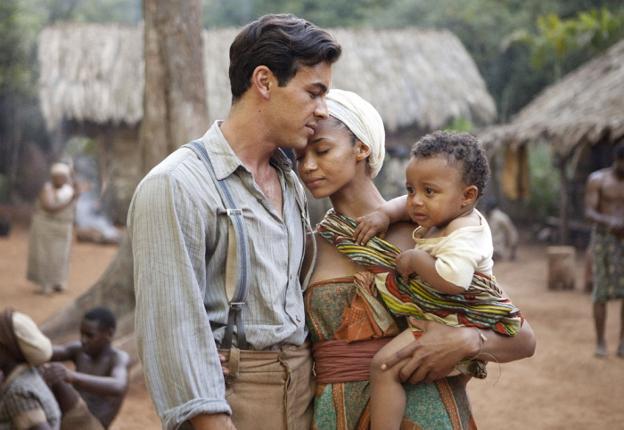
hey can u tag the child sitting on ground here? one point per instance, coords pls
(445, 177)
(101, 375)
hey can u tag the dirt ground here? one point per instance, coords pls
(562, 387)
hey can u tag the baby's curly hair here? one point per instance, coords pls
(461, 149)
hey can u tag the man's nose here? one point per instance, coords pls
(321, 110)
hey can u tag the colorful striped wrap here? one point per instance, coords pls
(482, 305)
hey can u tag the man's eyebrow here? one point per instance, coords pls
(321, 87)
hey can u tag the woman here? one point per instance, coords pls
(25, 400)
(51, 231)
(347, 321)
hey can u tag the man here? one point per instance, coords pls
(280, 70)
(101, 375)
(604, 206)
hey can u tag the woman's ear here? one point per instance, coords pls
(470, 195)
(262, 79)
(362, 151)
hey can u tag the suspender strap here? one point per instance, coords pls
(237, 261)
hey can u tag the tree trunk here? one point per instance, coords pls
(174, 112)
(174, 107)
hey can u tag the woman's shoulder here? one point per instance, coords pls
(400, 234)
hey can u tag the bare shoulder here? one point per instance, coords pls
(121, 357)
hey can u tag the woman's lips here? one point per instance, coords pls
(313, 183)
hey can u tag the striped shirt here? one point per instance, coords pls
(26, 401)
(179, 245)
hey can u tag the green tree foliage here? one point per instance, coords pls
(326, 13)
(16, 93)
(561, 44)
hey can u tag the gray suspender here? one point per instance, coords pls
(237, 257)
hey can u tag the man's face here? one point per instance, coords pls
(295, 109)
(93, 338)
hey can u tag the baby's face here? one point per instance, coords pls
(435, 191)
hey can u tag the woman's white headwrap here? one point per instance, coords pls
(60, 169)
(364, 122)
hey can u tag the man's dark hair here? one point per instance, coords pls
(281, 42)
(618, 151)
(104, 317)
(462, 149)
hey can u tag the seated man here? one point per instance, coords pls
(101, 371)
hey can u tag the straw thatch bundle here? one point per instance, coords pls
(420, 78)
(585, 107)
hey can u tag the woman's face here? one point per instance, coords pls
(328, 162)
(59, 180)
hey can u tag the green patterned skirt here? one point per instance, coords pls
(348, 309)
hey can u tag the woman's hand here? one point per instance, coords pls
(434, 355)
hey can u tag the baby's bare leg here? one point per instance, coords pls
(387, 394)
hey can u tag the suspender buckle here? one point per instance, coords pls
(230, 211)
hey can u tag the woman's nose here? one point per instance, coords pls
(308, 164)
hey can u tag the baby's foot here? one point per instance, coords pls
(601, 350)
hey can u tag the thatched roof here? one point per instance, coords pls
(421, 78)
(585, 107)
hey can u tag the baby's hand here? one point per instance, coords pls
(375, 223)
(404, 262)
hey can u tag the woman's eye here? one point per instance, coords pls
(410, 190)
(428, 191)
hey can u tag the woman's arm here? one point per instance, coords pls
(440, 348)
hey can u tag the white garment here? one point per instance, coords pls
(63, 194)
(462, 253)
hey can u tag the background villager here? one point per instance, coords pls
(504, 232)
(51, 231)
(604, 206)
(25, 400)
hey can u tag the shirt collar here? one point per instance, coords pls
(219, 149)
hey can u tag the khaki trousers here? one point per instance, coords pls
(270, 390)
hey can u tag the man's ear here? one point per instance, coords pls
(263, 80)
(471, 194)
(362, 151)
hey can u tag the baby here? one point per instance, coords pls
(452, 258)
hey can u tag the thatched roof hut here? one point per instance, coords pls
(584, 108)
(416, 78)
(580, 118)
(92, 79)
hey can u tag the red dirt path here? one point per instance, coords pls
(562, 387)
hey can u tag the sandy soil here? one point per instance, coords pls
(562, 387)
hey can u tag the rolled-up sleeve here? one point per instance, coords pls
(175, 341)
